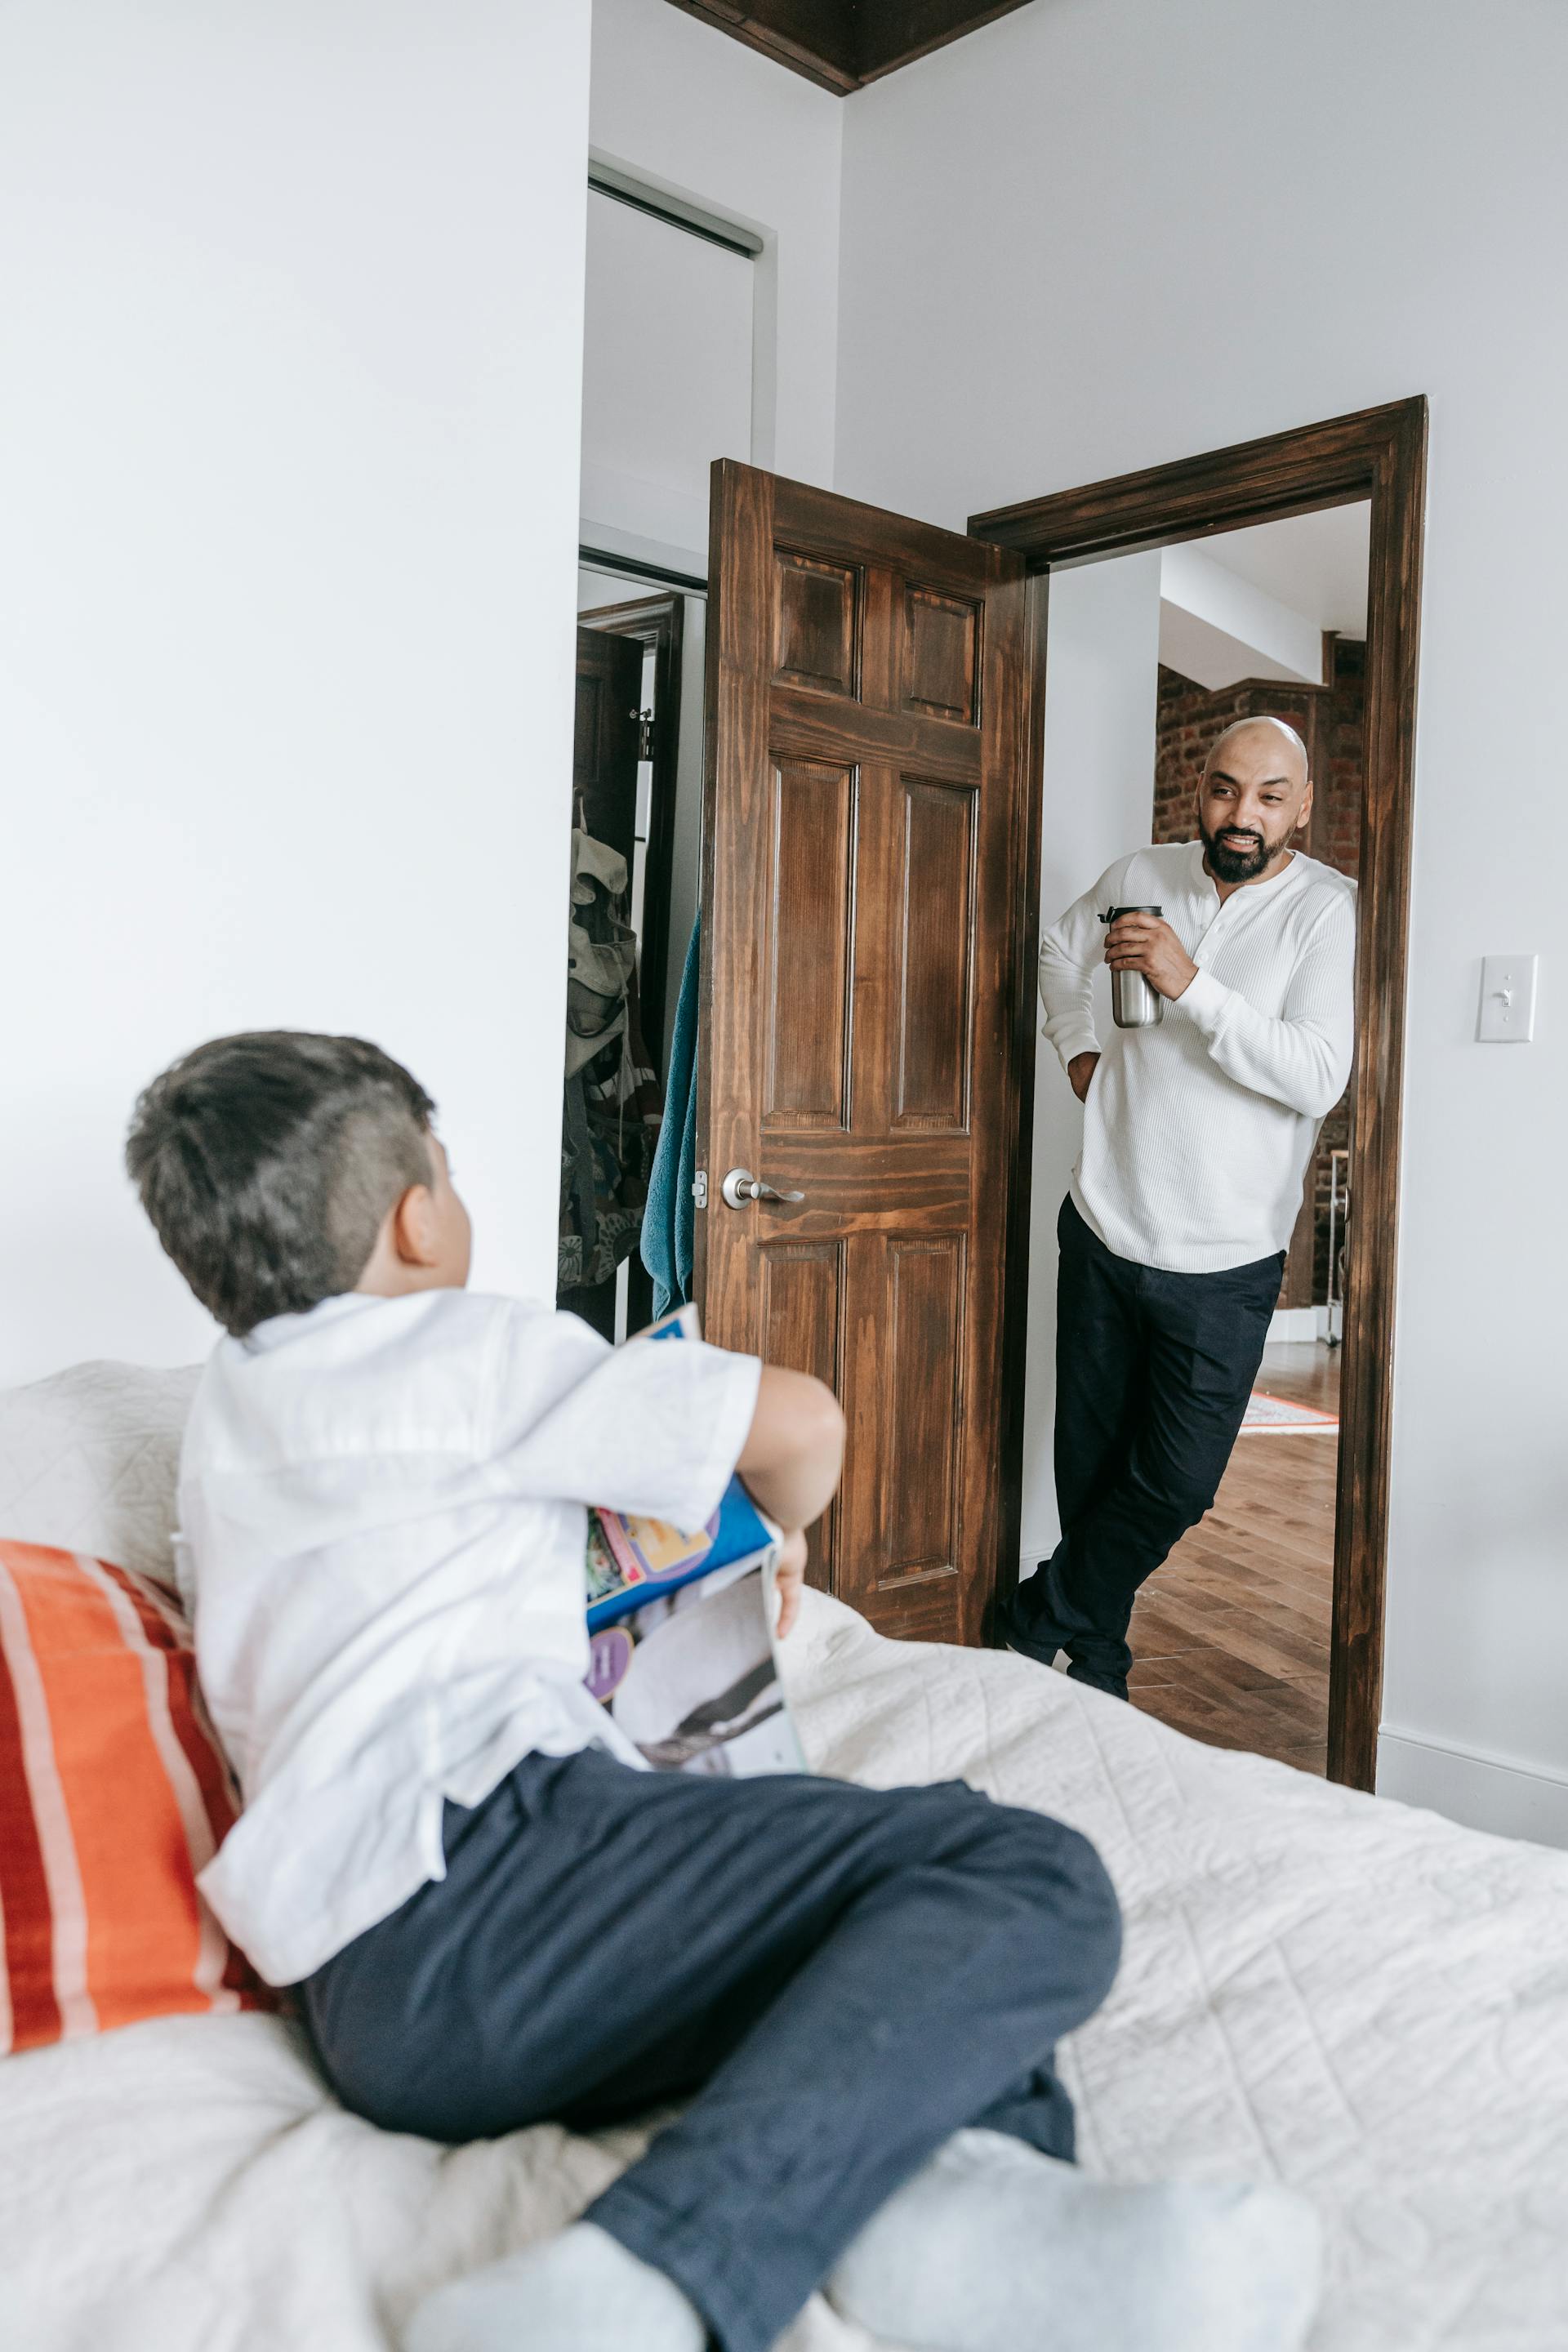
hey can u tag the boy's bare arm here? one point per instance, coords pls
(792, 1458)
(791, 1464)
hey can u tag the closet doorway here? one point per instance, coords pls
(634, 900)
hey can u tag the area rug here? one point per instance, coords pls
(1280, 1417)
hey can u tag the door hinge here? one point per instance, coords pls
(700, 1187)
(645, 719)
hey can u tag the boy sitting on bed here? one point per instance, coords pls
(494, 1917)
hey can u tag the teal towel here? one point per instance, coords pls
(670, 1220)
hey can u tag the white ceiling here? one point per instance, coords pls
(1217, 628)
(1315, 562)
(1255, 603)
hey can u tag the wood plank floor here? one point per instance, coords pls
(1230, 1639)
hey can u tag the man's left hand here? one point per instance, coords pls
(1146, 943)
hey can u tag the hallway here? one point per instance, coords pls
(1231, 1637)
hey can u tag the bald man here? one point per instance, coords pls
(1198, 1133)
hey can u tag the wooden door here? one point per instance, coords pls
(863, 959)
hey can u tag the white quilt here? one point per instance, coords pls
(1320, 1988)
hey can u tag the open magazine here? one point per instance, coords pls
(680, 1632)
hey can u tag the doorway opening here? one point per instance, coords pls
(636, 801)
(1377, 457)
(1151, 657)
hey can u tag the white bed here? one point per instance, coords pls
(1361, 2000)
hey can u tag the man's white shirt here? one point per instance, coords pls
(1198, 1130)
(383, 1535)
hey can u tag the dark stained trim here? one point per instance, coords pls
(841, 45)
(621, 188)
(1378, 454)
(813, 38)
(896, 32)
(632, 567)
(1020, 1189)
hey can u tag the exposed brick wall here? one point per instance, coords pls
(1331, 719)
(1341, 771)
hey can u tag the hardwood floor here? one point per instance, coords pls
(1230, 1639)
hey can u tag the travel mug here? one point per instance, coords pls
(1134, 1002)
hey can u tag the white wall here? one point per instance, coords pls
(1102, 687)
(667, 381)
(1155, 231)
(702, 116)
(684, 109)
(291, 294)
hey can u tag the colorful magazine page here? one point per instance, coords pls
(681, 1645)
(692, 1679)
(631, 1559)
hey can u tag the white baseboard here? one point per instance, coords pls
(1486, 1793)
(1294, 1324)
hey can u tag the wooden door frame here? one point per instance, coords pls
(1378, 454)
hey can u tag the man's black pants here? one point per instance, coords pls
(836, 1978)
(1153, 1371)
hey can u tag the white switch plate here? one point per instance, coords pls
(1507, 1000)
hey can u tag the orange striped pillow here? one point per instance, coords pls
(113, 1795)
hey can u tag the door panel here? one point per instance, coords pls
(942, 637)
(933, 1012)
(866, 826)
(803, 1302)
(818, 634)
(925, 1322)
(809, 929)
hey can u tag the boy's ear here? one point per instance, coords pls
(414, 1233)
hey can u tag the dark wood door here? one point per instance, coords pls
(604, 740)
(865, 838)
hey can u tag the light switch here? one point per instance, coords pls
(1507, 1000)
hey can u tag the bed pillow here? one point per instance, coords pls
(88, 1460)
(113, 1796)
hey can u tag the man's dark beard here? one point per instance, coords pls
(1237, 864)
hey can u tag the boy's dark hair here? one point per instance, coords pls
(268, 1162)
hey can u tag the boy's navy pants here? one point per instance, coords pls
(834, 1979)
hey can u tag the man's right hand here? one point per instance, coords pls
(1080, 1069)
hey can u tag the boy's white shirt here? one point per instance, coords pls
(383, 1533)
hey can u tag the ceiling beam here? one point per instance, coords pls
(814, 37)
(894, 33)
(841, 45)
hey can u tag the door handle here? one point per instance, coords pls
(741, 1186)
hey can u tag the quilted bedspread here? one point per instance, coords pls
(1363, 2001)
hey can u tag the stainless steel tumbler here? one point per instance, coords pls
(1134, 1005)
